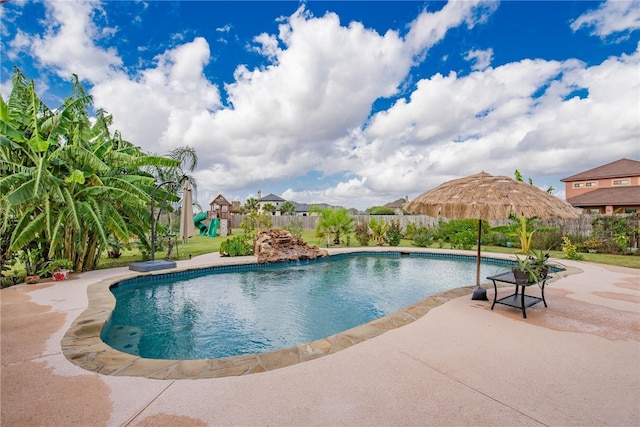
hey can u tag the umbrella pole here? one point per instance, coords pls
(479, 293)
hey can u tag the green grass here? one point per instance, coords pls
(630, 261)
(199, 245)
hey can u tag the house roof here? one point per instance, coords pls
(217, 200)
(618, 169)
(272, 198)
(614, 196)
(397, 203)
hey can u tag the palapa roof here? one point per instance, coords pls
(618, 169)
(613, 196)
(489, 197)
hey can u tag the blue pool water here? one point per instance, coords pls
(221, 312)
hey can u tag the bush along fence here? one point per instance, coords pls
(617, 234)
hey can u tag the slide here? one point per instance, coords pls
(209, 229)
(213, 227)
(197, 221)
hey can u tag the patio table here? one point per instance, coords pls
(517, 299)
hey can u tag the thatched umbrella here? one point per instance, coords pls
(487, 197)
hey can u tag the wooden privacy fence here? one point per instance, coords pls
(579, 226)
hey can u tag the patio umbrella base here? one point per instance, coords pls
(479, 294)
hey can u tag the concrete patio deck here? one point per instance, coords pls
(576, 362)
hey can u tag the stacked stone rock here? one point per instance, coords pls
(279, 245)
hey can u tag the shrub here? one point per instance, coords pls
(547, 238)
(464, 240)
(410, 230)
(295, 227)
(570, 250)
(381, 210)
(240, 245)
(394, 233)
(448, 229)
(423, 237)
(361, 233)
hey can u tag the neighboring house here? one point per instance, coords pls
(612, 188)
(274, 200)
(397, 205)
(302, 209)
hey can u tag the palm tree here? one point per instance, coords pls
(287, 208)
(333, 222)
(251, 205)
(378, 230)
(269, 207)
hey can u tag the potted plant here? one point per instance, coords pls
(540, 263)
(524, 271)
(592, 245)
(59, 268)
(33, 264)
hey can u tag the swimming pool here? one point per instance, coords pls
(220, 312)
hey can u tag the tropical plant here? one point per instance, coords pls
(525, 235)
(253, 222)
(539, 263)
(115, 248)
(269, 207)
(524, 270)
(379, 229)
(251, 205)
(67, 181)
(287, 208)
(333, 223)
(34, 263)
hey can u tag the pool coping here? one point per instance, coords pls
(83, 346)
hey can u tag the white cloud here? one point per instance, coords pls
(496, 121)
(307, 107)
(158, 107)
(68, 45)
(611, 17)
(480, 58)
(429, 28)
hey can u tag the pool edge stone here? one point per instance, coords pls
(85, 349)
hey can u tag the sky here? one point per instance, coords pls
(350, 103)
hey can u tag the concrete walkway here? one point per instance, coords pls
(576, 362)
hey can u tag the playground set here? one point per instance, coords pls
(217, 220)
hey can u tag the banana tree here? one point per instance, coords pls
(67, 181)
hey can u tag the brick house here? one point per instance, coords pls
(613, 188)
(397, 205)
